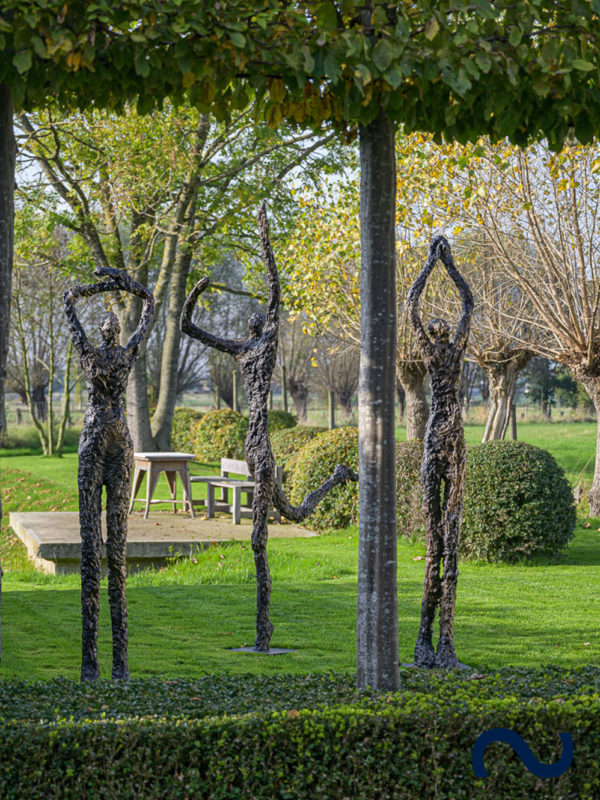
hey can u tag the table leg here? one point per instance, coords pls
(171, 477)
(137, 482)
(151, 481)
(187, 489)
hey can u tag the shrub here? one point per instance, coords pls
(296, 736)
(518, 503)
(409, 492)
(184, 420)
(280, 420)
(288, 443)
(220, 434)
(314, 464)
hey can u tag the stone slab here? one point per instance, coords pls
(54, 545)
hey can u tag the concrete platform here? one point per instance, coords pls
(54, 545)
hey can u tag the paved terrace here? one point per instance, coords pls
(53, 543)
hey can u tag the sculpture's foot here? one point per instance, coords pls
(446, 657)
(89, 673)
(424, 654)
(120, 673)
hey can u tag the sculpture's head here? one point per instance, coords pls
(256, 323)
(110, 329)
(439, 330)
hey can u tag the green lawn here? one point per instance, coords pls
(184, 617)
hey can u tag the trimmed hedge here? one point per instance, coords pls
(280, 420)
(518, 503)
(409, 456)
(288, 443)
(297, 737)
(184, 421)
(220, 434)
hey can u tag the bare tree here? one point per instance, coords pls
(295, 354)
(337, 369)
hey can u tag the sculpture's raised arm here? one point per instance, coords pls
(121, 280)
(462, 329)
(416, 290)
(80, 340)
(272, 274)
(187, 326)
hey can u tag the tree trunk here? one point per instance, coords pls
(7, 224)
(162, 419)
(299, 394)
(138, 411)
(502, 379)
(401, 399)
(345, 401)
(39, 403)
(377, 609)
(412, 379)
(592, 387)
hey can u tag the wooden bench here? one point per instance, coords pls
(237, 487)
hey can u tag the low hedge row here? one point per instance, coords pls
(310, 736)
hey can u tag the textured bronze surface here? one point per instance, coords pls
(443, 468)
(256, 358)
(105, 459)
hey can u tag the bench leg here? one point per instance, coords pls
(210, 500)
(137, 482)
(237, 504)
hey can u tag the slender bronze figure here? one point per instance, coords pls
(256, 357)
(105, 459)
(443, 468)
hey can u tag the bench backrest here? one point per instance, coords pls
(233, 465)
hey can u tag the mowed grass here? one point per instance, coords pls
(185, 618)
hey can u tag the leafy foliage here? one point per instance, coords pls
(280, 420)
(184, 421)
(302, 736)
(288, 443)
(315, 463)
(220, 434)
(518, 503)
(409, 491)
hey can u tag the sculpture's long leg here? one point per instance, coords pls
(446, 656)
(424, 653)
(260, 510)
(90, 496)
(118, 483)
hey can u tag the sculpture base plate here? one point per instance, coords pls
(273, 651)
(459, 666)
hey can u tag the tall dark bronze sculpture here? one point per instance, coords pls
(105, 459)
(443, 468)
(256, 357)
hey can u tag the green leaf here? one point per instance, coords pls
(431, 29)
(382, 54)
(326, 16)
(238, 39)
(514, 36)
(394, 76)
(22, 61)
(483, 61)
(584, 66)
(142, 67)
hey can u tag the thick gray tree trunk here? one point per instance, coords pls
(167, 395)
(138, 409)
(377, 617)
(502, 378)
(592, 387)
(7, 222)
(411, 376)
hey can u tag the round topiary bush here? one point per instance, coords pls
(517, 504)
(184, 420)
(314, 464)
(220, 434)
(280, 420)
(288, 443)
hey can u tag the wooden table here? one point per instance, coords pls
(172, 464)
